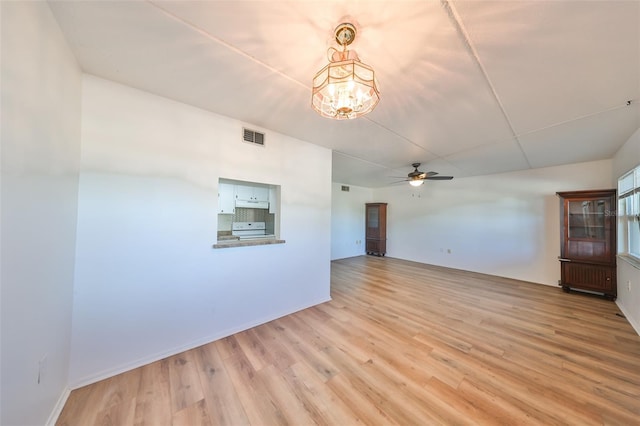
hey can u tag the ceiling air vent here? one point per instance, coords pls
(252, 136)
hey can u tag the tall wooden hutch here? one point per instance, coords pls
(376, 228)
(588, 241)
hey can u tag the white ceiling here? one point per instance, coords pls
(467, 87)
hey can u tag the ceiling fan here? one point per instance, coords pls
(417, 178)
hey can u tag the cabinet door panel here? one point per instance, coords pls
(226, 198)
(377, 247)
(244, 192)
(252, 193)
(589, 229)
(373, 219)
(376, 228)
(592, 250)
(261, 194)
(591, 277)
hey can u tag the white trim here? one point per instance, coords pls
(57, 409)
(630, 259)
(105, 374)
(629, 318)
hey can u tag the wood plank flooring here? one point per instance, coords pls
(401, 343)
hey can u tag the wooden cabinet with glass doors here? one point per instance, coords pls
(376, 228)
(588, 241)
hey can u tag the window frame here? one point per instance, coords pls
(628, 216)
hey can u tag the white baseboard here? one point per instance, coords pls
(53, 417)
(105, 374)
(629, 318)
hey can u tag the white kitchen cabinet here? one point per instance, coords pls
(273, 202)
(252, 193)
(261, 194)
(226, 198)
(244, 192)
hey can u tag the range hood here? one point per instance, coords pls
(252, 204)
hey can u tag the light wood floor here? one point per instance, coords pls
(401, 343)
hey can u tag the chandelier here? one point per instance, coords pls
(345, 88)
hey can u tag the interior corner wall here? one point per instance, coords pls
(148, 282)
(504, 224)
(348, 221)
(41, 94)
(628, 300)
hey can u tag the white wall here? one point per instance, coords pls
(628, 300)
(41, 92)
(348, 221)
(148, 282)
(505, 224)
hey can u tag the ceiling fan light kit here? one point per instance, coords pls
(345, 88)
(417, 178)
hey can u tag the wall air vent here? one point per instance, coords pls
(345, 188)
(252, 136)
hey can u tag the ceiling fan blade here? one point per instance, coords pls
(420, 177)
(438, 178)
(399, 181)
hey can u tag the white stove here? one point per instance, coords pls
(249, 230)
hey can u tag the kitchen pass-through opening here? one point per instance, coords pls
(247, 210)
